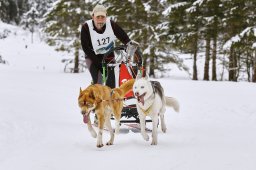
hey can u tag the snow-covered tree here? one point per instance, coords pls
(217, 27)
(31, 20)
(3, 10)
(239, 36)
(63, 24)
(42, 6)
(11, 11)
(143, 21)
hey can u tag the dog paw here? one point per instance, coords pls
(116, 131)
(109, 143)
(99, 145)
(146, 137)
(164, 130)
(154, 142)
(94, 134)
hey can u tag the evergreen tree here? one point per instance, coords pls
(192, 35)
(237, 20)
(11, 11)
(42, 6)
(174, 28)
(143, 20)
(63, 25)
(32, 20)
(211, 13)
(185, 23)
(23, 7)
(4, 10)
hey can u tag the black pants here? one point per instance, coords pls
(96, 74)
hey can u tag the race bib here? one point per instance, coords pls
(102, 43)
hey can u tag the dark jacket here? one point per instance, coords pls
(87, 44)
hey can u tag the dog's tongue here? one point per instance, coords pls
(85, 118)
(141, 99)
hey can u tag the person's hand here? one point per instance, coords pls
(133, 43)
(131, 47)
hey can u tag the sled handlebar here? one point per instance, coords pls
(118, 48)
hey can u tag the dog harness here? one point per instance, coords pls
(147, 111)
(111, 94)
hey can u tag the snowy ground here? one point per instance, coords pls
(41, 127)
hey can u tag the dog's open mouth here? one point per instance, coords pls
(85, 117)
(141, 98)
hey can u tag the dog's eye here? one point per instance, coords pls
(81, 103)
(142, 87)
(89, 105)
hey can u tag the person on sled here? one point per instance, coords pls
(98, 37)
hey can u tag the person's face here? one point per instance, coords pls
(99, 21)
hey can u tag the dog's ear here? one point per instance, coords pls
(139, 75)
(146, 77)
(80, 92)
(95, 96)
(91, 94)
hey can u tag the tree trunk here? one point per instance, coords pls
(248, 66)
(152, 63)
(76, 59)
(214, 56)
(254, 69)
(236, 69)
(145, 65)
(195, 58)
(207, 57)
(231, 65)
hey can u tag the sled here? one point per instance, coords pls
(128, 63)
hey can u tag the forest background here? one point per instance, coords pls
(222, 32)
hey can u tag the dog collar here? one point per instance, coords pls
(147, 111)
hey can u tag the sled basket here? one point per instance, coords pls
(120, 72)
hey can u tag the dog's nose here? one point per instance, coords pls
(136, 93)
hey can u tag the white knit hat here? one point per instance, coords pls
(99, 10)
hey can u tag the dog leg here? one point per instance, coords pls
(108, 125)
(99, 139)
(154, 131)
(100, 126)
(142, 127)
(90, 128)
(117, 110)
(163, 125)
(117, 123)
(117, 128)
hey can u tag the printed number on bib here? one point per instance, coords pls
(103, 41)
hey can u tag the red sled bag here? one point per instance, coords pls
(123, 77)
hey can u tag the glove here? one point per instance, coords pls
(133, 43)
(131, 47)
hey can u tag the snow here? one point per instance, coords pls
(41, 126)
(229, 43)
(171, 7)
(198, 2)
(237, 38)
(254, 45)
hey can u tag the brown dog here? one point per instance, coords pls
(106, 102)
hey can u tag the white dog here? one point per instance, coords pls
(152, 102)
